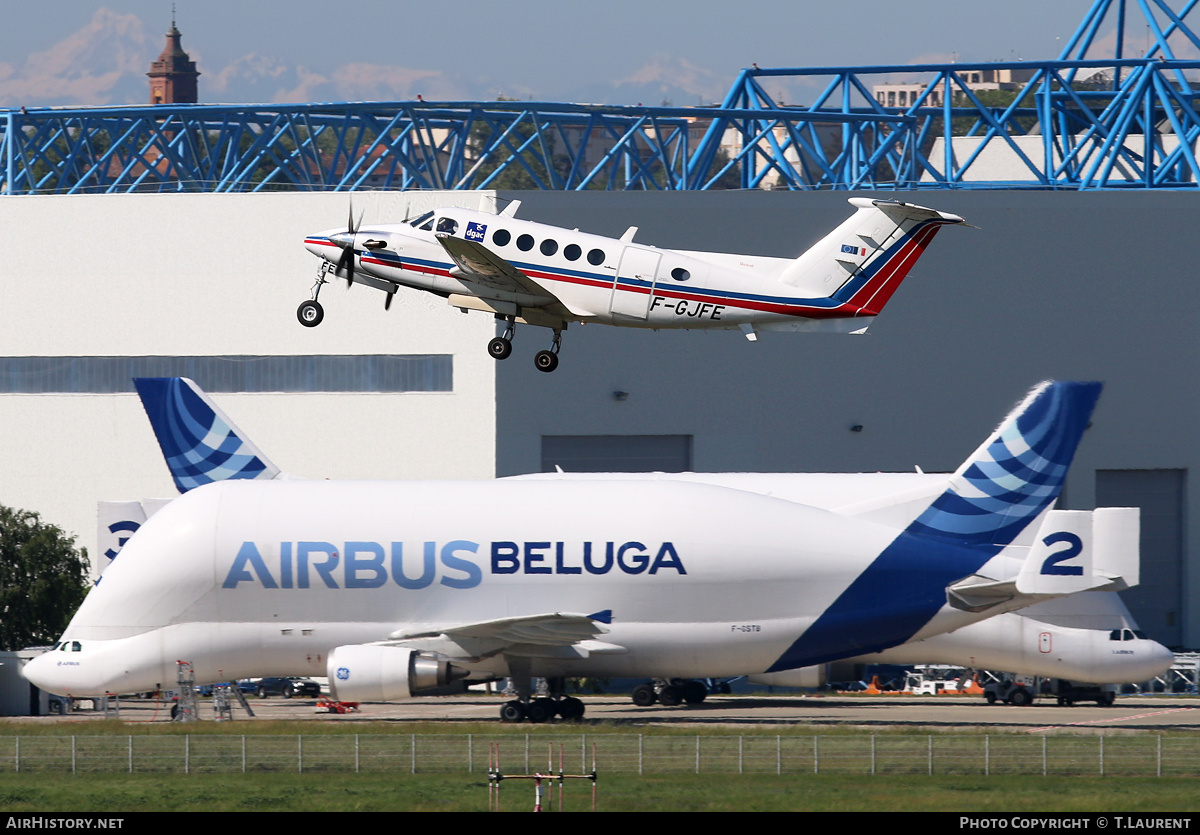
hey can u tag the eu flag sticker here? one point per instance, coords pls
(475, 232)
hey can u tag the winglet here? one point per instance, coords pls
(200, 444)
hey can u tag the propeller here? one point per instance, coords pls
(345, 240)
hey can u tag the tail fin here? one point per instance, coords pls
(199, 442)
(860, 264)
(996, 493)
(1017, 473)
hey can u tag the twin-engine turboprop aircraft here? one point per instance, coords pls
(395, 588)
(524, 272)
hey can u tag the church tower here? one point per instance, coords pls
(173, 76)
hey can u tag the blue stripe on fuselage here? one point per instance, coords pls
(888, 603)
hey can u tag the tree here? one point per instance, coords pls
(43, 579)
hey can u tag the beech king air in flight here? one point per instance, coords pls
(524, 272)
(394, 588)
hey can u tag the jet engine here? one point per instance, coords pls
(373, 673)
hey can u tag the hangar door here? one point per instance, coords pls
(1157, 602)
(617, 453)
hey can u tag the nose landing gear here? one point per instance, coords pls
(310, 313)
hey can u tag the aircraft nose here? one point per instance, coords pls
(1159, 658)
(44, 674)
(327, 244)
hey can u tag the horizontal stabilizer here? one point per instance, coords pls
(1079, 550)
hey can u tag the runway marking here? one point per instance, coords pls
(1114, 719)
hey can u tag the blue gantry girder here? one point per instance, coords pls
(1078, 122)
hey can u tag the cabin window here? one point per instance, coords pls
(549, 246)
(596, 257)
(501, 237)
(572, 252)
(525, 243)
(448, 225)
(680, 274)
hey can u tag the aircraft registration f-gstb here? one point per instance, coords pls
(524, 272)
(393, 588)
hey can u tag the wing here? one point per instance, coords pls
(551, 634)
(484, 267)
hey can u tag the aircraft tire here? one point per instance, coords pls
(670, 695)
(310, 313)
(644, 695)
(694, 692)
(499, 348)
(571, 708)
(512, 711)
(540, 710)
(545, 361)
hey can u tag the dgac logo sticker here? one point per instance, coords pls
(368, 565)
(475, 232)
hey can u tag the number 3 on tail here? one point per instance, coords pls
(1074, 548)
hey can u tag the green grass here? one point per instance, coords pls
(109, 793)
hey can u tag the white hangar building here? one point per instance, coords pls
(1051, 285)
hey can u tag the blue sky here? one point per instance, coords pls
(629, 51)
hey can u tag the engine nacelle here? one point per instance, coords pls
(369, 673)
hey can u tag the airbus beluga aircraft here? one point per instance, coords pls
(392, 589)
(524, 272)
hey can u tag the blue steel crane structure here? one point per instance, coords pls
(1078, 122)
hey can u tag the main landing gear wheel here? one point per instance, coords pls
(644, 695)
(540, 710)
(512, 711)
(500, 348)
(310, 313)
(570, 708)
(545, 361)
(694, 692)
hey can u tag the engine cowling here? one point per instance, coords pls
(369, 673)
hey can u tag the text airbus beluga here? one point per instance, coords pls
(524, 272)
(394, 588)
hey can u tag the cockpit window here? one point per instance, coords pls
(448, 225)
(425, 221)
